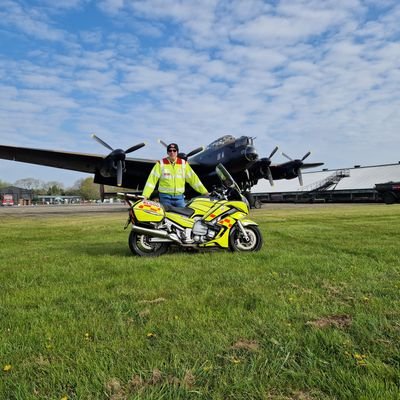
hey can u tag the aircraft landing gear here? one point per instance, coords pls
(253, 201)
(249, 198)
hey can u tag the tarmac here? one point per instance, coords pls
(58, 209)
(71, 209)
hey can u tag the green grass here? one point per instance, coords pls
(314, 315)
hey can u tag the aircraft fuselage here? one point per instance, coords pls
(235, 154)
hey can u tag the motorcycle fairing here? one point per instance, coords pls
(219, 210)
(221, 240)
(181, 220)
(200, 206)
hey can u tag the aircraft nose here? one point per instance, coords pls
(251, 153)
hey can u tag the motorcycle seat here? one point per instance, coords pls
(186, 211)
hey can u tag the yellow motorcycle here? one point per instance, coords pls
(216, 221)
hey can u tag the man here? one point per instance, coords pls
(172, 173)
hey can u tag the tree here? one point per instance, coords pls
(54, 188)
(87, 189)
(29, 183)
(4, 184)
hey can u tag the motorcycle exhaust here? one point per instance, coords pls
(155, 233)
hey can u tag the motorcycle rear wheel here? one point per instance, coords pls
(141, 246)
(238, 242)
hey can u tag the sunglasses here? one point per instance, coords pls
(172, 151)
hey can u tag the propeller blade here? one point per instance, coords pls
(273, 152)
(163, 143)
(119, 172)
(306, 155)
(97, 139)
(195, 151)
(300, 176)
(269, 175)
(289, 158)
(135, 147)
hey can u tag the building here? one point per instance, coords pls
(20, 196)
(50, 199)
(356, 184)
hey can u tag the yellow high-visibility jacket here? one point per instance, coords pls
(171, 178)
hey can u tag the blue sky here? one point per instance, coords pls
(302, 74)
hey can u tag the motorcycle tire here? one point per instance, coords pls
(140, 245)
(237, 241)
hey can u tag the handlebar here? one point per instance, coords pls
(224, 193)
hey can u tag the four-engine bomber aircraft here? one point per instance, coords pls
(238, 155)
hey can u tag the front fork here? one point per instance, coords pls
(244, 233)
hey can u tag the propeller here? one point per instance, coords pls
(291, 159)
(117, 156)
(265, 168)
(102, 142)
(162, 142)
(184, 156)
(297, 165)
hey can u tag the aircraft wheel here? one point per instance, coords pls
(140, 245)
(257, 204)
(238, 242)
(388, 198)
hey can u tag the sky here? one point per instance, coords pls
(306, 75)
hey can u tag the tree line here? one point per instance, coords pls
(85, 188)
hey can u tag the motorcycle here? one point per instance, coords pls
(217, 221)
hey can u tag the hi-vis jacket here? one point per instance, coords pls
(172, 178)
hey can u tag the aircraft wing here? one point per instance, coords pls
(311, 165)
(288, 170)
(291, 169)
(58, 159)
(137, 170)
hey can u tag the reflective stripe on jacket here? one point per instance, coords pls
(171, 178)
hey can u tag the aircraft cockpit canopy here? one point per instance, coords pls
(244, 141)
(222, 141)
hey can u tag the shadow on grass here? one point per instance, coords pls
(121, 250)
(103, 249)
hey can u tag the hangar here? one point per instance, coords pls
(376, 183)
(18, 196)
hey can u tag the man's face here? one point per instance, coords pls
(172, 153)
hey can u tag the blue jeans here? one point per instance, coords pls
(169, 200)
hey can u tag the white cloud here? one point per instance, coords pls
(91, 37)
(29, 21)
(303, 74)
(254, 57)
(62, 5)
(140, 78)
(111, 6)
(242, 11)
(182, 57)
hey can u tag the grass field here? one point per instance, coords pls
(314, 315)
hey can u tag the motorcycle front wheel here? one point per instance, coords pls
(141, 245)
(238, 241)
